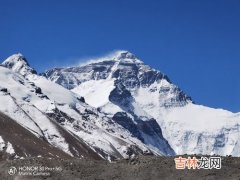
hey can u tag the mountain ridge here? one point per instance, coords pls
(136, 108)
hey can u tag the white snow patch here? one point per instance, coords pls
(10, 149)
(200, 118)
(54, 91)
(95, 92)
(2, 144)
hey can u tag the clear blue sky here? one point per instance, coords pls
(195, 42)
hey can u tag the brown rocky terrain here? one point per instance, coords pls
(142, 168)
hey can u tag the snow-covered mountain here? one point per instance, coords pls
(135, 96)
(61, 118)
(112, 107)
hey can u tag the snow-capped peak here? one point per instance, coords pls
(125, 56)
(122, 54)
(18, 63)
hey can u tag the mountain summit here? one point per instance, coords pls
(18, 63)
(127, 69)
(124, 56)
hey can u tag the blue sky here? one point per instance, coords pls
(195, 42)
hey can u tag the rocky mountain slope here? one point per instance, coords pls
(16, 142)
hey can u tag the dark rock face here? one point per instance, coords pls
(4, 90)
(149, 77)
(144, 130)
(121, 97)
(220, 141)
(179, 98)
(125, 121)
(59, 116)
(150, 127)
(38, 90)
(81, 99)
(128, 75)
